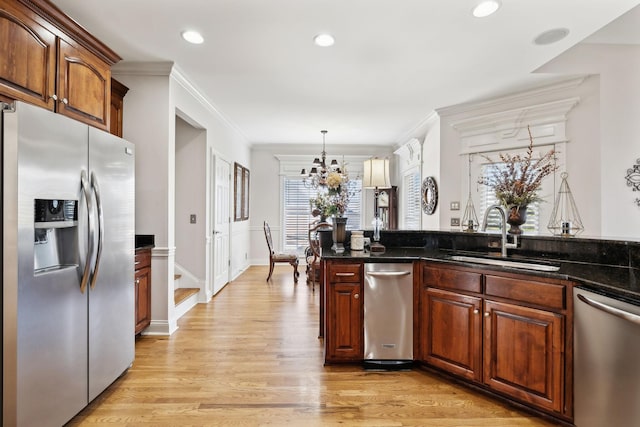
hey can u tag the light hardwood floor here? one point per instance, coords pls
(251, 357)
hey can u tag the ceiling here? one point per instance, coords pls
(393, 62)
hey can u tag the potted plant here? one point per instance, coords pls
(516, 179)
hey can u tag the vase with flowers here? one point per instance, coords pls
(516, 179)
(333, 202)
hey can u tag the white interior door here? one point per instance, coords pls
(221, 220)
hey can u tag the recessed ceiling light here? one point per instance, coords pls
(324, 40)
(192, 37)
(551, 36)
(486, 8)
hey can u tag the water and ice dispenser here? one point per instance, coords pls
(55, 243)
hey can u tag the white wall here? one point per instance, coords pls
(582, 129)
(266, 194)
(191, 196)
(432, 158)
(146, 123)
(158, 92)
(618, 135)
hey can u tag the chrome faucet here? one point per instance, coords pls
(503, 226)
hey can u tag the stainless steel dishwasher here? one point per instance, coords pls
(388, 315)
(606, 352)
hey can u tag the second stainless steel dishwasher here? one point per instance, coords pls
(388, 315)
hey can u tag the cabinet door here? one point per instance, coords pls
(143, 298)
(27, 57)
(118, 91)
(84, 86)
(452, 328)
(344, 317)
(524, 352)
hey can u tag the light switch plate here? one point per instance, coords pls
(192, 218)
(455, 222)
(454, 206)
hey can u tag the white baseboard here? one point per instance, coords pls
(161, 328)
(186, 305)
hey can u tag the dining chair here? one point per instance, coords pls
(313, 256)
(275, 257)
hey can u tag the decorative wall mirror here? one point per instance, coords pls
(429, 195)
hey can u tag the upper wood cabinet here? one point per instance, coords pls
(27, 56)
(118, 91)
(84, 86)
(48, 60)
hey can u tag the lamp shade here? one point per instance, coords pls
(376, 173)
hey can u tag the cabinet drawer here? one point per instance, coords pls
(345, 273)
(539, 293)
(143, 259)
(451, 279)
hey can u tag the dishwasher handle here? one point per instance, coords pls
(388, 273)
(633, 318)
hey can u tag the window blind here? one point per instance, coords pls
(411, 198)
(297, 212)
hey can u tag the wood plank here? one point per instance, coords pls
(182, 294)
(252, 357)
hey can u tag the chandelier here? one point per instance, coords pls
(317, 176)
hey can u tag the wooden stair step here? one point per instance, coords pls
(182, 294)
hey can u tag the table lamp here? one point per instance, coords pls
(376, 176)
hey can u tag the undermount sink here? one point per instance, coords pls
(501, 262)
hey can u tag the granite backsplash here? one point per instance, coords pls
(597, 251)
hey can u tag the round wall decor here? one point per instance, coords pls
(429, 195)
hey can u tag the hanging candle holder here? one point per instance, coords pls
(565, 220)
(470, 219)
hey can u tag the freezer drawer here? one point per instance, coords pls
(388, 312)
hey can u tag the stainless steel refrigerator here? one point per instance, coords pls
(67, 264)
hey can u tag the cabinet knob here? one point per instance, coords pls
(65, 101)
(356, 296)
(137, 281)
(54, 97)
(486, 314)
(476, 311)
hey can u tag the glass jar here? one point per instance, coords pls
(357, 240)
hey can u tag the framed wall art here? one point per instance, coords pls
(240, 192)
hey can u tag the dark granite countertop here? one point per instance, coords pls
(616, 281)
(144, 241)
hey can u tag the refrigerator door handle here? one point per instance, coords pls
(84, 182)
(96, 191)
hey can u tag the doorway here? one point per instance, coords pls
(220, 221)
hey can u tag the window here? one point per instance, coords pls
(538, 213)
(488, 198)
(411, 198)
(297, 211)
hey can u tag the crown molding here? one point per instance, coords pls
(181, 78)
(467, 107)
(135, 68)
(506, 123)
(508, 129)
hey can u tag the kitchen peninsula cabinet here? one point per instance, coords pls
(507, 332)
(50, 61)
(142, 284)
(344, 312)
